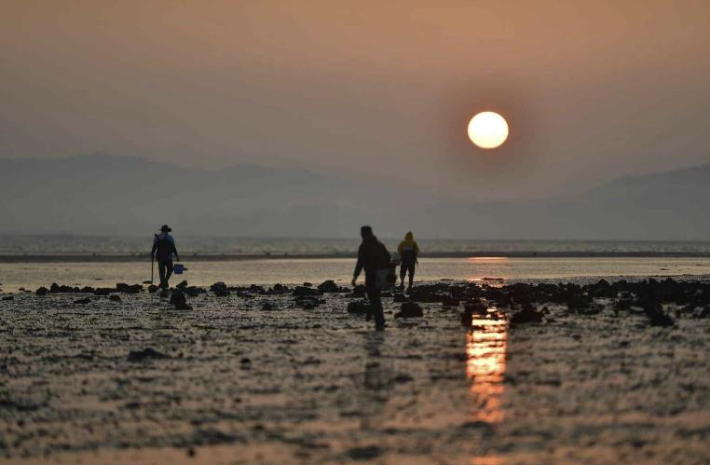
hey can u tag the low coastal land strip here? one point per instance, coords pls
(193, 256)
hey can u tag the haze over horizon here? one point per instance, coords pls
(366, 89)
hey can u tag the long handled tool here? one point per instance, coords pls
(152, 261)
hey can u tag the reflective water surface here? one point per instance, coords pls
(486, 346)
(296, 271)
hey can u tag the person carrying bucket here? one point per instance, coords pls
(163, 251)
(408, 251)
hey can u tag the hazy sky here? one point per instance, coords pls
(591, 89)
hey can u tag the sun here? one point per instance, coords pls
(488, 130)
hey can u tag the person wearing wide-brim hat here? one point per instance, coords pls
(163, 251)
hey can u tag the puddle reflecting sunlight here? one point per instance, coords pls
(486, 346)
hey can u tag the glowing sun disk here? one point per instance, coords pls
(488, 130)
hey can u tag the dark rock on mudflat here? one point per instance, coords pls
(220, 289)
(302, 291)
(42, 291)
(328, 286)
(308, 302)
(449, 301)
(527, 315)
(192, 291)
(400, 298)
(267, 306)
(103, 291)
(279, 289)
(8, 297)
(476, 307)
(359, 308)
(114, 298)
(410, 310)
(145, 354)
(178, 299)
(152, 288)
(83, 301)
(359, 290)
(129, 288)
(656, 317)
(702, 312)
(181, 285)
(364, 453)
(467, 319)
(57, 289)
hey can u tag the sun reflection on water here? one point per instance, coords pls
(486, 346)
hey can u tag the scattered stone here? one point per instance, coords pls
(364, 453)
(152, 288)
(307, 284)
(328, 286)
(476, 307)
(192, 291)
(8, 297)
(527, 315)
(702, 312)
(179, 300)
(360, 308)
(400, 298)
(82, 301)
(103, 291)
(301, 291)
(359, 290)
(220, 289)
(410, 310)
(114, 298)
(182, 285)
(449, 301)
(656, 317)
(42, 291)
(145, 354)
(129, 288)
(267, 306)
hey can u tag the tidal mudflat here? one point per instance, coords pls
(520, 373)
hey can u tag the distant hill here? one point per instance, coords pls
(105, 194)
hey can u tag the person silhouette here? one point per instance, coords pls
(164, 250)
(408, 251)
(372, 256)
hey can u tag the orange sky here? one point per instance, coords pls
(591, 89)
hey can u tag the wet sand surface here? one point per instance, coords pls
(232, 382)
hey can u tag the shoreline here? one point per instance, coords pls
(194, 257)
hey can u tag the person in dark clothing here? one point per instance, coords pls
(164, 250)
(372, 256)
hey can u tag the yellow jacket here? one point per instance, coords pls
(408, 245)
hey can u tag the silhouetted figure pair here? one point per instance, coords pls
(163, 251)
(373, 257)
